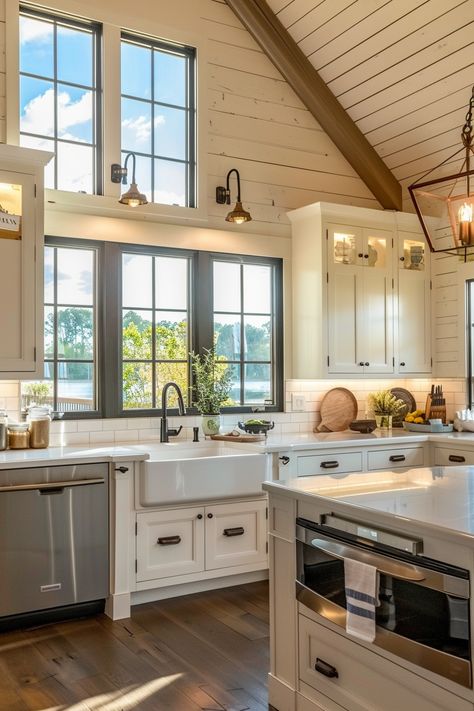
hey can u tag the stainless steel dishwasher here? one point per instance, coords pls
(54, 542)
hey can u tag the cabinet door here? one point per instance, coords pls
(414, 325)
(170, 543)
(375, 319)
(18, 273)
(236, 534)
(344, 306)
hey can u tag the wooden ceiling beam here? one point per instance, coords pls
(300, 74)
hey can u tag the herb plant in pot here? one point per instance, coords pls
(384, 405)
(211, 389)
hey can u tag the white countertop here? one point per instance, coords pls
(347, 438)
(53, 456)
(438, 497)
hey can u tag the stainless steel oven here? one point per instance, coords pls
(423, 615)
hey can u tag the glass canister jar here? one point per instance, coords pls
(39, 425)
(3, 429)
(18, 436)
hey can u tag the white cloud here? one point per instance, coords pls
(38, 114)
(35, 31)
(140, 127)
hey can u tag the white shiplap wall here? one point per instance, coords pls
(402, 69)
(258, 124)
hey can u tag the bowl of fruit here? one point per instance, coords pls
(256, 426)
(416, 422)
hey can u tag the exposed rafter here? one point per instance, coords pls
(300, 74)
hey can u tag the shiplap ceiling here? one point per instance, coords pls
(402, 69)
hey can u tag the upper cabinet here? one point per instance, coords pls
(360, 293)
(21, 261)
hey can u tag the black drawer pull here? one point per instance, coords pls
(456, 458)
(284, 460)
(327, 669)
(237, 531)
(169, 540)
(122, 470)
(329, 465)
(397, 458)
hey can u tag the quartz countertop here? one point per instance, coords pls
(347, 438)
(438, 497)
(15, 458)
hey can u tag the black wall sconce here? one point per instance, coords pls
(133, 197)
(238, 214)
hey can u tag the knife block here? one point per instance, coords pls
(434, 411)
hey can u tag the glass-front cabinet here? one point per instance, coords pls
(360, 322)
(21, 261)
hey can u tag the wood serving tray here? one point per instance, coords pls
(239, 437)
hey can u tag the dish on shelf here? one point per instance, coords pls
(260, 427)
(412, 427)
(410, 405)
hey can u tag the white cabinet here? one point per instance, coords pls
(236, 534)
(170, 543)
(451, 456)
(359, 287)
(414, 332)
(21, 261)
(192, 540)
(357, 309)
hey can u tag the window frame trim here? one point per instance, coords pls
(97, 144)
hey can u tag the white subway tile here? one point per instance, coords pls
(114, 424)
(89, 425)
(151, 435)
(126, 436)
(63, 426)
(72, 438)
(101, 438)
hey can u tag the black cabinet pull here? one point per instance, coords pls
(327, 669)
(122, 470)
(237, 531)
(361, 363)
(397, 458)
(199, 516)
(360, 255)
(402, 259)
(169, 540)
(402, 364)
(284, 460)
(456, 458)
(366, 364)
(329, 465)
(209, 515)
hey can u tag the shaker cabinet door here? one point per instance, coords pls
(236, 534)
(18, 273)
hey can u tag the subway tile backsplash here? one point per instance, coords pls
(133, 430)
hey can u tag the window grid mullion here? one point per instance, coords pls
(242, 336)
(55, 329)
(55, 97)
(152, 166)
(153, 332)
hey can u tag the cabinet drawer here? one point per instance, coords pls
(236, 534)
(395, 458)
(331, 463)
(365, 681)
(170, 543)
(452, 457)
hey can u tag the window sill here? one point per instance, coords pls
(106, 206)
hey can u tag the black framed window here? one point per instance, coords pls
(155, 326)
(121, 321)
(71, 324)
(244, 315)
(159, 117)
(60, 97)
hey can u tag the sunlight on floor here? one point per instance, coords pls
(127, 698)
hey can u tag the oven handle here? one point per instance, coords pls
(386, 566)
(51, 485)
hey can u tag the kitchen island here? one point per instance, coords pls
(421, 520)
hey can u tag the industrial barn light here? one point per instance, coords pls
(133, 197)
(238, 214)
(445, 203)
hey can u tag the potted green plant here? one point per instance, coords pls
(384, 405)
(211, 389)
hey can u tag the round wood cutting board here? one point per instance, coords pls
(338, 410)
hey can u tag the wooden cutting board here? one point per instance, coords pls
(239, 437)
(338, 410)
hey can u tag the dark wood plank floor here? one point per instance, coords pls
(204, 652)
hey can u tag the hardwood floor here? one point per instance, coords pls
(204, 652)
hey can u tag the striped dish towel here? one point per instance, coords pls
(362, 586)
